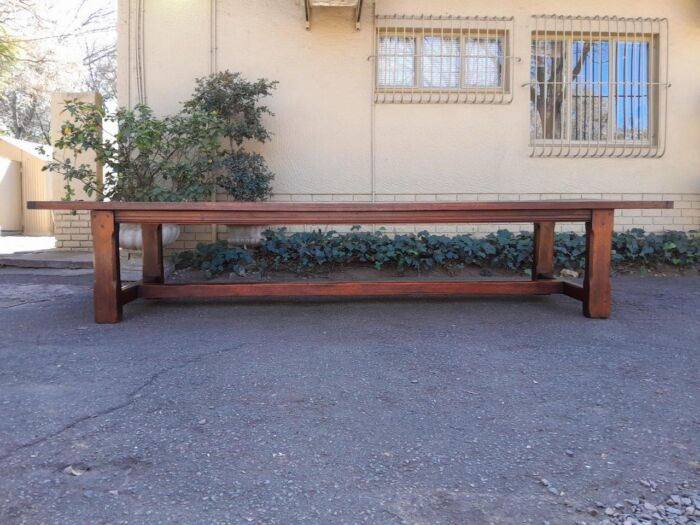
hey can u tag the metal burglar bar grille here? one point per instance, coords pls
(443, 59)
(598, 86)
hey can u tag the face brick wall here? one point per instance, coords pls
(72, 230)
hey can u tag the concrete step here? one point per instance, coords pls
(131, 263)
(58, 259)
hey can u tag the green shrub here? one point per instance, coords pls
(237, 103)
(216, 258)
(246, 176)
(181, 157)
(147, 159)
(316, 250)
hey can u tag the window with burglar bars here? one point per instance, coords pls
(443, 59)
(598, 86)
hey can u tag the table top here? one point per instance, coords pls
(351, 207)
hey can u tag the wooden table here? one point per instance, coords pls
(110, 297)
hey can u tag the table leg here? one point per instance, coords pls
(152, 253)
(597, 289)
(107, 287)
(543, 254)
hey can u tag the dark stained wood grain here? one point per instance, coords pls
(597, 289)
(543, 255)
(257, 213)
(280, 207)
(107, 286)
(349, 289)
(129, 293)
(573, 290)
(152, 253)
(349, 216)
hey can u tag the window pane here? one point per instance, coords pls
(547, 90)
(483, 62)
(396, 61)
(590, 90)
(632, 100)
(440, 62)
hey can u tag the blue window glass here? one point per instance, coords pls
(632, 98)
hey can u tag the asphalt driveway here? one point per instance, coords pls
(475, 411)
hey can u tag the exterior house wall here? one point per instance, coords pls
(331, 141)
(22, 179)
(10, 195)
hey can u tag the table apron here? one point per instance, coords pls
(350, 217)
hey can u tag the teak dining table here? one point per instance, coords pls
(110, 296)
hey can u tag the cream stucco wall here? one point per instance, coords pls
(10, 195)
(332, 142)
(22, 179)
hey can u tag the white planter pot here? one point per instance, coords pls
(248, 235)
(130, 236)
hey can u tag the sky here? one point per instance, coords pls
(63, 28)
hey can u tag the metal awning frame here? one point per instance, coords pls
(307, 13)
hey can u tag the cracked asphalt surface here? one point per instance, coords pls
(410, 411)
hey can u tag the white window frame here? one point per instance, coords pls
(463, 28)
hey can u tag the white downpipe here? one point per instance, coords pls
(213, 36)
(140, 54)
(213, 67)
(373, 109)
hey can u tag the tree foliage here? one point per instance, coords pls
(47, 47)
(8, 55)
(25, 103)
